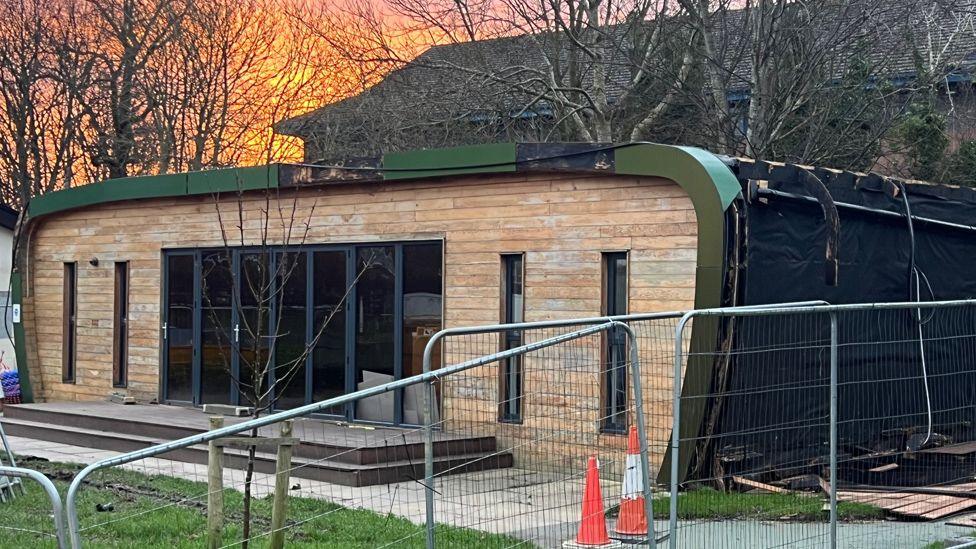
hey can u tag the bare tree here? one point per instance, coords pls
(274, 229)
(811, 82)
(123, 38)
(39, 105)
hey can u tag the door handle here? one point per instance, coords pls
(237, 333)
(165, 331)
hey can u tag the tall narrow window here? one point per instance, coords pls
(615, 343)
(513, 311)
(70, 311)
(120, 336)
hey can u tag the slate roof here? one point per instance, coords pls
(468, 76)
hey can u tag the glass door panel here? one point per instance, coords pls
(422, 305)
(290, 357)
(251, 334)
(328, 334)
(216, 290)
(179, 328)
(375, 324)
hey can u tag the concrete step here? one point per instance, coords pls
(396, 446)
(325, 470)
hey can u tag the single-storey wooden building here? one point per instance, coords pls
(119, 287)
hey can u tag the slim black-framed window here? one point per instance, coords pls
(513, 311)
(69, 326)
(120, 326)
(614, 391)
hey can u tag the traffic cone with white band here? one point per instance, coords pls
(632, 520)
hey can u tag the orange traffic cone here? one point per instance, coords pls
(593, 524)
(632, 520)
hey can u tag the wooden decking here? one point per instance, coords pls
(352, 455)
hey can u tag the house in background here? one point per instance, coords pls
(8, 221)
(469, 93)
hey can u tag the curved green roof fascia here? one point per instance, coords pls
(156, 186)
(712, 187)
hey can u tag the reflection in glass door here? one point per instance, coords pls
(178, 328)
(251, 328)
(290, 361)
(337, 320)
(329, 326)
(217, 286)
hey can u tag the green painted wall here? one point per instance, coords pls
(20, 341)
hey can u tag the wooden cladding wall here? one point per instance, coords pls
(561, 223)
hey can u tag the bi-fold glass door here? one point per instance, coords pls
(329, 321)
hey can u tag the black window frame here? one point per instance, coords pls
(614, 380)
(69, 335)
(511, 402)
(120, 326)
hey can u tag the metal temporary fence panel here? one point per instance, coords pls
(824, 420)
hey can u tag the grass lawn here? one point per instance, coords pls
(715, 505)
(153, 512)
(182, 524)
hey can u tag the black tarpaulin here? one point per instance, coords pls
(773, 408)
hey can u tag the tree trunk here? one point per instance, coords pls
(248, 476)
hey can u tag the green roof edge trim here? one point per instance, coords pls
(156, 186)
(249, 178)
(473, 159)
(712, 187)
(710, 184)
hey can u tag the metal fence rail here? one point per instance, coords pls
(390, 473)
(53, 510)
(547, 411)
(551, 410)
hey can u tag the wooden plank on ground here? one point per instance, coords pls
(951, 509)
(921, 504)
(872, 497)
(760, 485)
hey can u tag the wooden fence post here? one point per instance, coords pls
(215, 489)
(282, 475)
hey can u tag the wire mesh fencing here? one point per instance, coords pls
(357, 483)
(813, 426)
(365, 485)
(906, 422)
(37, 519)
(870, 404)
(560, 417)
